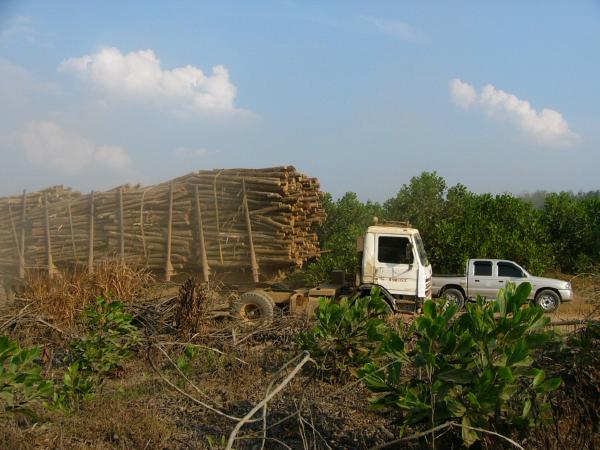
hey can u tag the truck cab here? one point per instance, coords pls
(393, 258)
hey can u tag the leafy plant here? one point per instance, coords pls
(185, 360)
(78, 386)
(109, 338)
(346, 334)
(475, 369)
(21, 379)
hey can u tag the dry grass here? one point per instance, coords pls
(62, 296)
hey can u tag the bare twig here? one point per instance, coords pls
(42, 321)
(264, 415)
(185, 394)
(269, 396)
(15, 317)
(216, 350)
(441, 427)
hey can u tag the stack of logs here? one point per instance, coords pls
(254, 221)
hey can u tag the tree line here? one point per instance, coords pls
(541, 231)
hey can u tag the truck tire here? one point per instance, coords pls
(454, 296)
(548, 300)
(254, 308)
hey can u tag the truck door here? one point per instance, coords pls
(481, 280)
(395, 267)
(508, 271)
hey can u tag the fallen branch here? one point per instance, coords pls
(185, 394)
(269, 396)
(441, 427)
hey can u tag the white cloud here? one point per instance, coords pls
(463, 94)
(45, 143)
(547, 127)
(396, 28)
(186, 91)
(187, 153)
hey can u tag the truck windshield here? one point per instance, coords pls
(421, 250)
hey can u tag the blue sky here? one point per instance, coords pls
(363, 95)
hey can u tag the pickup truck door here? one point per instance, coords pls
(395, 267)
(481, 280)
(508, 271)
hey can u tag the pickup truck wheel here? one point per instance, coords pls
(254, 308)
(548, 300)
(454, 296)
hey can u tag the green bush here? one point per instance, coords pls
(21, 379)
(474, 369)
(346, 334)
(108, 340)
(78, 386)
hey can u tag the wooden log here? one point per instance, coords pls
(22, 253)
(168, 264)
(52, 271)
(202, 245)
(253, 262)
(121, 226)
(90, 265)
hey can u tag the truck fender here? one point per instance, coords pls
(365, 290)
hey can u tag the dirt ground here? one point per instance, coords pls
(165, 399)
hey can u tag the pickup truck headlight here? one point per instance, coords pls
(568, 286)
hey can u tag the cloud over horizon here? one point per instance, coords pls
(186, 91)
(547, 127)
(46, 143)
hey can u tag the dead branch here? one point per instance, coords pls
(268, 397)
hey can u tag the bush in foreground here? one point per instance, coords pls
(472, 371)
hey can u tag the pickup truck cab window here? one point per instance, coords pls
(506, 269)
(482, 268)
(394, 250)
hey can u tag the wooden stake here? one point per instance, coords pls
(217, 217)
(203, 258)
(71, 227)
(51, 268)
(253, 262)
(142, 226)
(91, 236)
(121, 226)
(16, 239)
(22, 253)
(168, 265)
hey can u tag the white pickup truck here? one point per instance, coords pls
(485, 277)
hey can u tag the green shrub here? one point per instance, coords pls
(346, 334)
(21, 380)
(108, 340)
(78, 386)
(474, 369)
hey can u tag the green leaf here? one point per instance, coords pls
(549, 385)
(456, 376)
(469, 436)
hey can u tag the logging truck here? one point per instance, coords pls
(391, 257)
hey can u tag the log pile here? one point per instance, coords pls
(248, 220)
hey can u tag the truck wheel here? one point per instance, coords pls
(254, 307)
(548, 300)
(454, 296)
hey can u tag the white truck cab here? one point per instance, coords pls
(393, 258)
